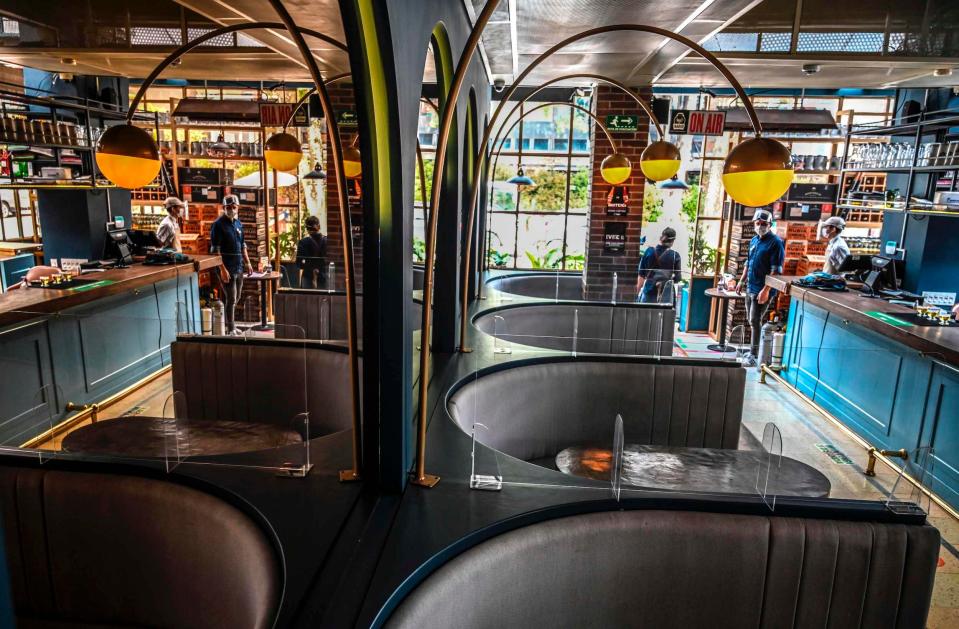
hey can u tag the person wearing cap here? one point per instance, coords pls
(837, 249)
(658, 265)
(311, 256)
(168, 232)
(226, 239)
(766, 256)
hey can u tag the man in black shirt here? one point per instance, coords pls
(311, 256)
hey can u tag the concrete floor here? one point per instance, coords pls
(805, 434)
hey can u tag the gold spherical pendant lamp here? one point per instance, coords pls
(616, 169)
(283, 152)
(659, 161)
(758, 172)
(128, 156)
(352, 165)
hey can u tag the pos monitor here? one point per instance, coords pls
(118, 246)
(882, 275)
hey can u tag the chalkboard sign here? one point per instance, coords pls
(614, 238)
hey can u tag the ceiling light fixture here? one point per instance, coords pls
(128, 156)
(352, 164)
(616, 168)
(520, 179)
(942, 72)
(758, 172)
(316, 173)
(283, 152)
(673, 183)
(810, 69)
(659, 161)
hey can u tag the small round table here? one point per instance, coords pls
(722, 296)
(264, 279)
(714, 470)
(156, 437)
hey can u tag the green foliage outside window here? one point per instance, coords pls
(652, 203)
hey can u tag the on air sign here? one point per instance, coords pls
(695, 122)
(278, 115)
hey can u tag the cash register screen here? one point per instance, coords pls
(118, 246)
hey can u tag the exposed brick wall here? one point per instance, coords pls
(600, 266)
(341, 94)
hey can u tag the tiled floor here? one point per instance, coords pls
(802, 429)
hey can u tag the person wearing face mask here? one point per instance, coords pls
(766, 255)
(168, 232)
(837, 249)
(226, 239)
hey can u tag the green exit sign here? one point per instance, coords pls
(622, 123)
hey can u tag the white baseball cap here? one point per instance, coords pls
(172, 202)
(763, 215)
(231, 199)
(836, 222)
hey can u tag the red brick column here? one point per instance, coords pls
(342, 96)
(600, 265)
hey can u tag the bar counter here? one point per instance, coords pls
(20, 304)
(896, 385)
(935, 341)
(60, 348)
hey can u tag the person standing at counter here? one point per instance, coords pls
(766, 255)
(168, 232)
(226, 239)
(311, 256)
(837, 249)
(658, 265)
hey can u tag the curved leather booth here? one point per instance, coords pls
(103, 549)
(684, 570)
(263, 380)
(540, 285)
(637, 329)
(318, 315)
(534, 409)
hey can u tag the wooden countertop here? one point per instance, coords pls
(25, 303)
(938, 342)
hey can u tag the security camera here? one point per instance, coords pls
(810, 69)
(499, 84)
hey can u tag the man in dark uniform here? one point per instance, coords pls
(226, 239)
(659, 265)
(766, 256)
(311, 256)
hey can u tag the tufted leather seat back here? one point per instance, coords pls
(534, 411)
(684, 570)
(263, 381)
(643, 330)
(108, 549)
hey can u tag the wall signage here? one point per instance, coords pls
(617, 201)
(620, 123)
(347, 118)
(696, 122)
(614, 238)
(277, 115)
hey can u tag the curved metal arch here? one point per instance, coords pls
(420, 477)
(224, 30)
(482, 162)
(747, 104)
(336, 149)
(311, 92)
(502, 137)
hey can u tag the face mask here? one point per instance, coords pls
(230, 212)
(762, 230)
